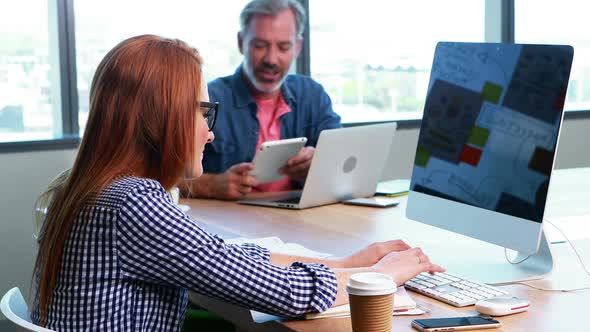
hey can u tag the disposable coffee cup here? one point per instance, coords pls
(371, 301)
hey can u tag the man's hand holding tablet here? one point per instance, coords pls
(273, 155)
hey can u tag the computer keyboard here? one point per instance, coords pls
(451, 289)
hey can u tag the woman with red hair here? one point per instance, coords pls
(115, 253)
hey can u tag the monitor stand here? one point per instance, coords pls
(488, 264)
(537, 266)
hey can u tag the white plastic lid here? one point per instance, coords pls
(370, 283)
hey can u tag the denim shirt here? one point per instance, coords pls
(236, 128)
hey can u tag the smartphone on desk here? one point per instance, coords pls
(454, 324)
(372, 201)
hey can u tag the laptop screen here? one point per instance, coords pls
(490, 125)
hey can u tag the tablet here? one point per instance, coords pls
(273, 155)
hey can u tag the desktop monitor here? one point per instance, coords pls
(486, 148)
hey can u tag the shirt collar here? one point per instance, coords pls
(242, 96)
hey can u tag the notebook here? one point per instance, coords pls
(393, 188)
(402, 302)
(347, 164)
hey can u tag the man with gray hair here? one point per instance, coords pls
(261, 102)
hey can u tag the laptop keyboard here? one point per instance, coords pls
(451, 289)
(292, 200)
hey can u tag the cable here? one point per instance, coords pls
(512, 262)
(549, 289)
(571, 245)
(577, 255)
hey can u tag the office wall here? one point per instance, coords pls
(24, 175)
(572, 151)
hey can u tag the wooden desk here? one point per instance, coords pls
(341, 229)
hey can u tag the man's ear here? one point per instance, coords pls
(240, 42)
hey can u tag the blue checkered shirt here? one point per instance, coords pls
(132, 256)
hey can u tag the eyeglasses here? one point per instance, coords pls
(211, 113)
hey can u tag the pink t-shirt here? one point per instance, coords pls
(269, 115)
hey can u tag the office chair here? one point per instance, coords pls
(15, 308)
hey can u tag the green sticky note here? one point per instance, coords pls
(422, 157)
(478, 136)
(491, 92)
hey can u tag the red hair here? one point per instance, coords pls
(143, 103)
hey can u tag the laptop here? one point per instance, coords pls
(347, 163)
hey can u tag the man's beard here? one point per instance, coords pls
(257, 85)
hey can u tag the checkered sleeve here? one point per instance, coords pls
(158, 243)
(256, 251)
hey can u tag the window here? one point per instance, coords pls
(100, 25)
(561, 22)
(30, 100)
(374, 57)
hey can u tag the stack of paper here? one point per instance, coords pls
(403, 304)
(276, 245)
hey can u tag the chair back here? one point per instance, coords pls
(15, 308)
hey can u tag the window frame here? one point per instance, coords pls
(68, 70)
(499, 27)
(70, 137)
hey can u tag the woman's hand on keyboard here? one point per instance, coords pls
(373, 253)
(405, 265)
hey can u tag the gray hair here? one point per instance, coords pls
(273, 7)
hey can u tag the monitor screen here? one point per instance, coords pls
(490, 126)
(486, 149)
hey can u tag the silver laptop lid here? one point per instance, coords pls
(348, 163)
